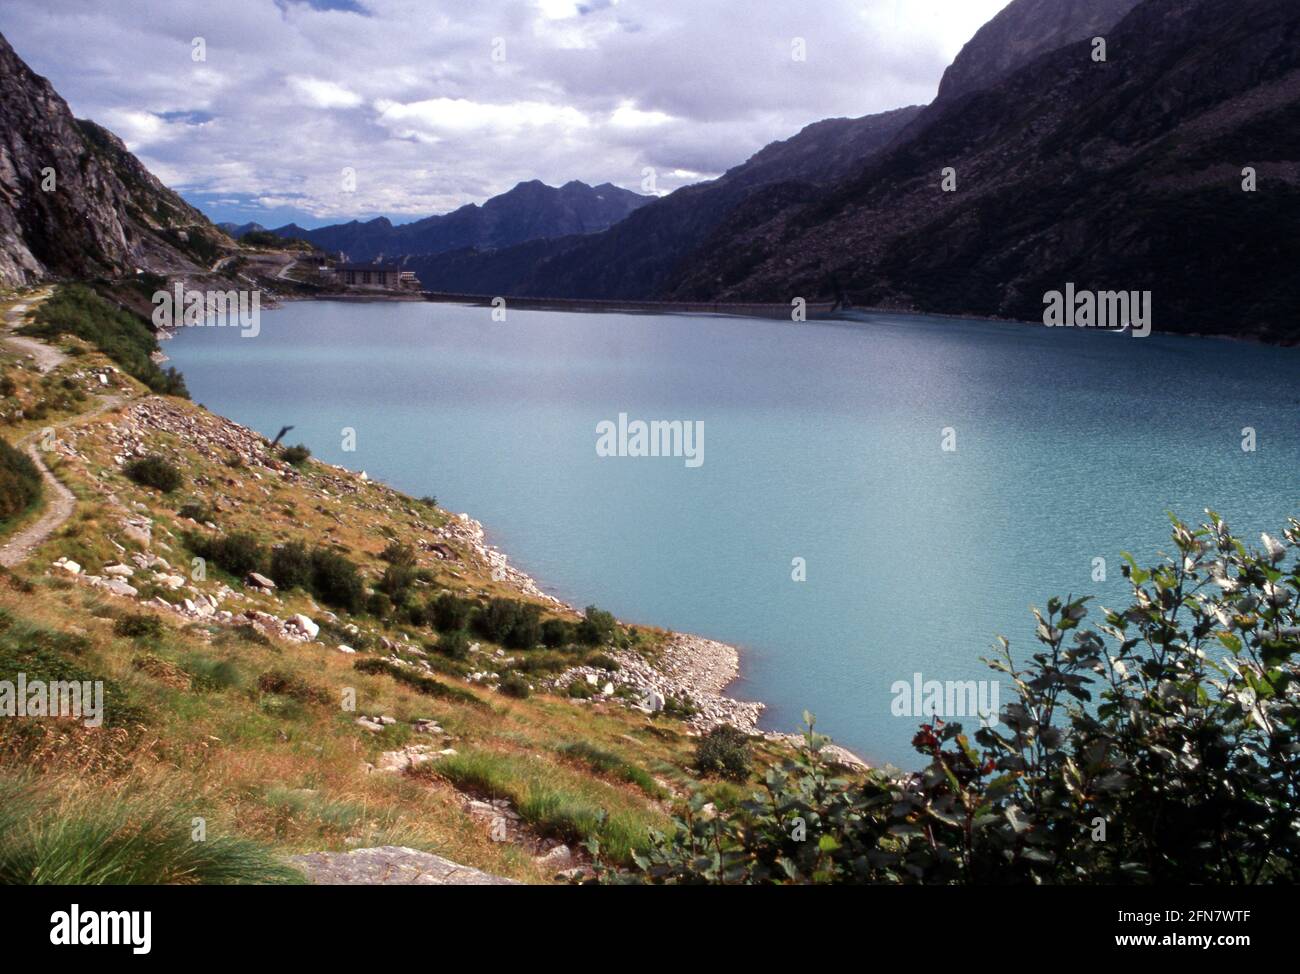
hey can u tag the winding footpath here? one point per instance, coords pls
(60, 502)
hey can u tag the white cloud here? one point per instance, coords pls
(324, 94)
(409, 95)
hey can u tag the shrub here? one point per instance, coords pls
(514, 624)
(580, 689)
(155, 472)
(139, 626)
(450, 613)
(212, 675)
(514, 685)
(197, 511)
(597, 628)
(395, 581)
(724, 751)
(238, 553)
(556, 633)
(291, 565)
(335, 580)
(399, 554)
(454, 645)
(1172, 721)
(288, 685)
(379, 605)
(295, 455)
(20, 482)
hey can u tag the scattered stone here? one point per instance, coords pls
(304, 625)
(260, 581)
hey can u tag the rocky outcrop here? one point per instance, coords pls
(76, 203)
(1022, 31)
(688, 670)
(391, 866)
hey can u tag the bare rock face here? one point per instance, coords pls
(76, 203)
(1021, 32)
(391, 866)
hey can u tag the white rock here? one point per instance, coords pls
(118, 587)
(71, 567)
(346, 649)
(304, 625)
(121, 571)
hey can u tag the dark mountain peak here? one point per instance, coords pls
(1022, 31)
(530, 210)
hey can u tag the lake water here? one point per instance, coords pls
(822, 441)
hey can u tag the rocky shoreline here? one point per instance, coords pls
(689, 672)
(690, 669)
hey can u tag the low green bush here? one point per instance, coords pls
(20, 482)
(155, 472)
(724, 751)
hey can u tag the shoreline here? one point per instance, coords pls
(684, 667)
(818, 311)
(690, 667)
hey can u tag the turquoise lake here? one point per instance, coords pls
(822, 441)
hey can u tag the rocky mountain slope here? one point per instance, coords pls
(530, 211)
(1126, 174)
(77, 203)
(634, 258)
(650, 254)
(1022, 31)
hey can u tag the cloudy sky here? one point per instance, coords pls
(254, 109)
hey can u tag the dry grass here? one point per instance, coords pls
(290, 770)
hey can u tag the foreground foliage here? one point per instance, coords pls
(20, 482)
(116, 840)
(1158, 746)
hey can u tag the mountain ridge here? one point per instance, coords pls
(530, 210)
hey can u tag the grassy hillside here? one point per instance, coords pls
(216, 710)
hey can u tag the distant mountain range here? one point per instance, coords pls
(530, 211)
(1118, 174)
(651, 254)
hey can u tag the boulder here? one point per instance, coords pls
(304, 625)
(260, 581)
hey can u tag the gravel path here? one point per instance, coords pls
(60, 502)
(47, 357)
